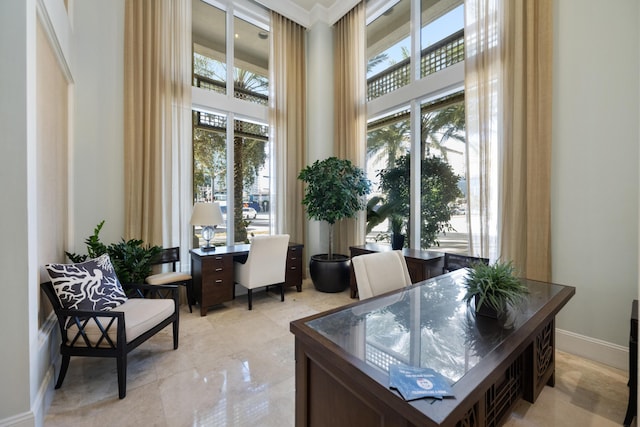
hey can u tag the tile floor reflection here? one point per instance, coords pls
(235, 367)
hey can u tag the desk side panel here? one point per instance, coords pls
(326, 395)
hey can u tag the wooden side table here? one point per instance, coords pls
(632, 406)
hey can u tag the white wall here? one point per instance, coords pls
(319, 118)
(17, 105)
(595, 170)
(98, 123)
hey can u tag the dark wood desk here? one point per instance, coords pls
(343, 356)
(212, 272)
(422, 265)
(632, 406)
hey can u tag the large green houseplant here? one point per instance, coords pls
(438, 190)
(335, 190)
(132, 260)
(493, 287)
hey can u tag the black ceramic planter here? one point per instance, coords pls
(397, 241)
(486, 310)
(330, 275)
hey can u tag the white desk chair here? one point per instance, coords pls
(380, 272)
(265, 265)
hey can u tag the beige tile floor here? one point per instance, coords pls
(236, 368)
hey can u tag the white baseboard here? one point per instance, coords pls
(47, 354)
(594, 349)
(26, 419)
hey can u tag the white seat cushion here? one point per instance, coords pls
(140, 315)
(168, 277)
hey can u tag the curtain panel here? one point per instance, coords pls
(350, 122)
(288, 120)
(482, 74)
(525, 182)
(508, 94)
(157, 139)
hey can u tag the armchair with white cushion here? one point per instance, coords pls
(380, 272)
(265, 265)
(98, 319)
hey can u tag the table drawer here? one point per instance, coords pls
(293, 275)
(217, 279)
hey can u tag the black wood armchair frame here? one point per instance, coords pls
(80, 345)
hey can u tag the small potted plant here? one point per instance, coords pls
(493, 287)
(335, 190)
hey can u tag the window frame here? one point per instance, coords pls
(433, 86)
(226, 104)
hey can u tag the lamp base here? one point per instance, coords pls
(207, 248)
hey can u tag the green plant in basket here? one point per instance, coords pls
(494, 287)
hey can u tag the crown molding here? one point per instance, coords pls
(339, 9)
(291, 10)
(288, 9)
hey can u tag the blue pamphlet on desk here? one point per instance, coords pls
(415, 383)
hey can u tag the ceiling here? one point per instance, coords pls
(309, 4)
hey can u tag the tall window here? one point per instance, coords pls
(389, 50)
(231, 150)
(416, 124)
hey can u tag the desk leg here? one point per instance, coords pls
(632, 409)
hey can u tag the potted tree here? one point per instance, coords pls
(335, 190)
(493, 287)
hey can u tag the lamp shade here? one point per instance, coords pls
(206, 214)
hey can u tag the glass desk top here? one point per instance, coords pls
(427, 325)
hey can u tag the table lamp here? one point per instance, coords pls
(207, 215)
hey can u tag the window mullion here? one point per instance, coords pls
(230, 40)
(414, 29)
(415, 176)
(230, 174)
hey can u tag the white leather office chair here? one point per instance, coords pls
(265, 265)
(380, 272)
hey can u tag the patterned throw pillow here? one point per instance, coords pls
(90, 285)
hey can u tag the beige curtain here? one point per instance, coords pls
(525, 221)
(482, 74)
(288, 121)
(157, 138)
(350, 123)
(508, 95)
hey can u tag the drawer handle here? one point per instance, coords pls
(293, 268)
(218, 258)
(293, 258)
(219, 281)
(219, 269)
